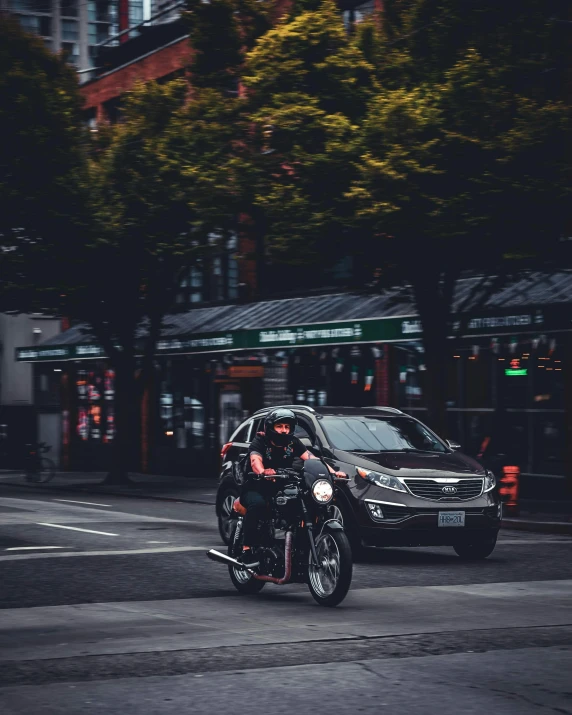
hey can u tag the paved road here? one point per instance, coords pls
(110, 606)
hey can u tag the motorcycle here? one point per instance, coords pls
(314, 548)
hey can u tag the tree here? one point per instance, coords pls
(41, 147)
(148, 196)
(307, 86)
(460, 157)
(158, 201)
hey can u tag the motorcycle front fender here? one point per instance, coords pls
(333, 525)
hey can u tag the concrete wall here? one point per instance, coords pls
(16, 379)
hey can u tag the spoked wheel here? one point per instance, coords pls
(241, 579)
(227, 516)
(330, 582)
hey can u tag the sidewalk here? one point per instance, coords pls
(143, 486)
(538, 516)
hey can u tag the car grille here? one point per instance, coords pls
(430, 489)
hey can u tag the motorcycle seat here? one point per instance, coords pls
(238, 508)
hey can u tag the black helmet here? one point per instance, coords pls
(277, 416)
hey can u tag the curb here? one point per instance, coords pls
(542, 527)
(103, 490)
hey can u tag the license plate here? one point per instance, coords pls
(451, 518)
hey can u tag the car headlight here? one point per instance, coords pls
(322, 491)
(382, 480)
(490, 481)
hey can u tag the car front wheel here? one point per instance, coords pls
(476, 550)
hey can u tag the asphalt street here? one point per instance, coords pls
(109, 605)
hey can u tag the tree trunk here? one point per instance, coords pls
(124, 451)
(433, 301)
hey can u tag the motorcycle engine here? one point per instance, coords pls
(272, 561)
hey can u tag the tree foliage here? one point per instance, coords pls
(307, 84)
(41, 147)
(460, 156)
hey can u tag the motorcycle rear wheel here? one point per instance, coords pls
(330, 584)
(241, 579)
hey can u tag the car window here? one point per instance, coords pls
(258, 427)
(242, 434)
(380, 434)
(301, 432)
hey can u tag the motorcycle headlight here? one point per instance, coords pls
(381, 480)
(490, 481)
(322, 491)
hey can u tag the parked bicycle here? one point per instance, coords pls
(39, 469)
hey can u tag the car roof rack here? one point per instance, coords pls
(328, 409)
(306, 408)
(388, 409)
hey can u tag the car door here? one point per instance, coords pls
(239, 443)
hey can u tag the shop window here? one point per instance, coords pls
(549, 444)
(95, 390)
(409, 375)
(477, 378)
(513, 380)
(547, 368)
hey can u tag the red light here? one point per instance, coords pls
(225, 449)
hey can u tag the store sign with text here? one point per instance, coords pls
(376, 330)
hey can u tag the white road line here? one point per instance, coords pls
(538, 542)
(89, 503)
(76, 528)
(31, 548)
(125, 552)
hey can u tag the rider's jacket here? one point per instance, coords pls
(274, 457)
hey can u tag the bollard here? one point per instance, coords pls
(509, 490)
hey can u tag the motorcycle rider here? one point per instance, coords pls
(275, 448)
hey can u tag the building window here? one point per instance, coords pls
(69, 30)
(214, 278)
(71, 49)
(30, 23)
(68, 8)
(357, 13)
(40, 6)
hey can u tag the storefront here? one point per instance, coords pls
(506, 380)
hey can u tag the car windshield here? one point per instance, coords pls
(380, 434)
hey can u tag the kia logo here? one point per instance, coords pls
(449, 490)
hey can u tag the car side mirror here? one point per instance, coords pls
(455, 446)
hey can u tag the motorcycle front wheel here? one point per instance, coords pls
(330, 582)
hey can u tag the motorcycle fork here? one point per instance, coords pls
(310, 529)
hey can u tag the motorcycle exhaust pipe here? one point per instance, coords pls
(215, 555)
(287, 567)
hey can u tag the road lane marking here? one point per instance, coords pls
(30, 548)
(76, 528)
(125, 552)
(89, 503)
(538, 542)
